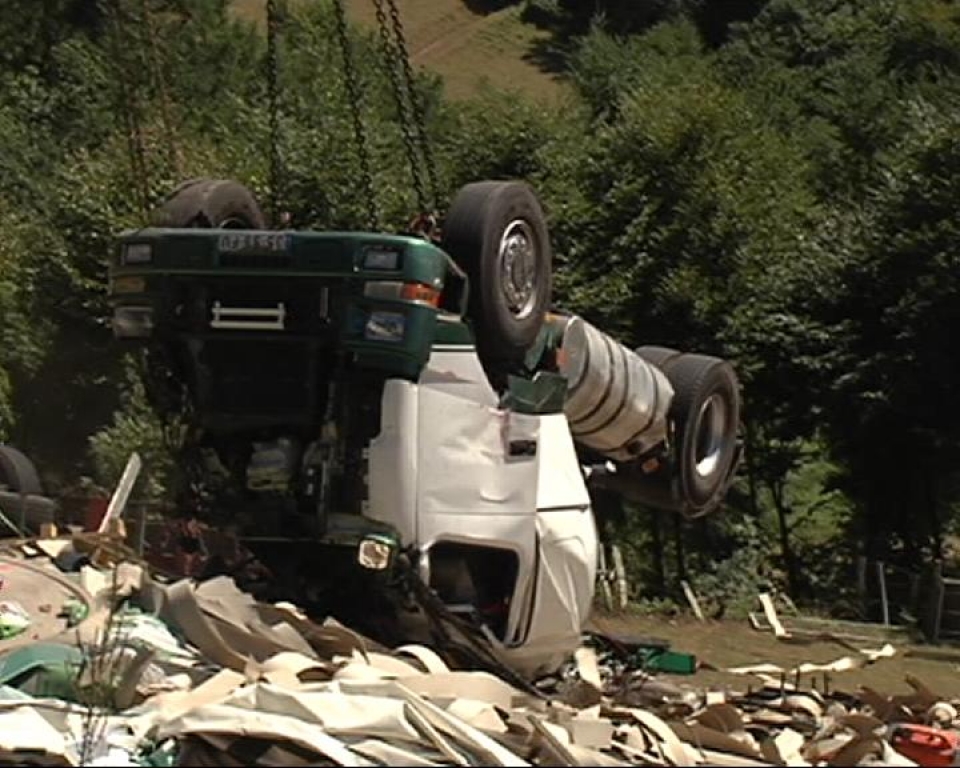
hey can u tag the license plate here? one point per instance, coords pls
(253, 242)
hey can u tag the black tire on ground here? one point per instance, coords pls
(27, 511)
(658, 356)
(210, 204)
(706, 414)
(497, 232)
(18, 473)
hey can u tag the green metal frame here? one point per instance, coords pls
(342, 257)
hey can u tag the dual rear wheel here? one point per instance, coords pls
(704, 417)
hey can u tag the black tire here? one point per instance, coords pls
(658, 356)
(27, 511)
(18, 473)
(696, 475)
(210, 204)
(507, 305)
(706, 414)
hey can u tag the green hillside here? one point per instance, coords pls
(466, 47)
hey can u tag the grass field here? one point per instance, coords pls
(728, 644)
(465, 45)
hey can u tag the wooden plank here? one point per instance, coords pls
(771, 613)
(692, 599)
(122, 493)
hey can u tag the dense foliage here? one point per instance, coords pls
(772, 181)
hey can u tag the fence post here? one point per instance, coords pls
(605, 592)
(939, 589)
(915, 594)
(142, 533)
(692, 599)
(623, 590)
(862, 584)
(884, 605)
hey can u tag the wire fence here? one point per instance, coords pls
(889, 594)
(926, 597)
(143, 518)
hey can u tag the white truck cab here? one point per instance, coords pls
(489, 497)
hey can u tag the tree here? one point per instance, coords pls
(890, 413)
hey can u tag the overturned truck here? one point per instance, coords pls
(402, 430)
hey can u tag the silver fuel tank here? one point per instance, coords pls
(617, 403)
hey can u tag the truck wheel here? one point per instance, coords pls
(210, 204)
(497, 232)
(706, 414)
(658, 356)
(705, 417)
(18, 473)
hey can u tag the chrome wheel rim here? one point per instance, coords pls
(709, 437)
(518, 268)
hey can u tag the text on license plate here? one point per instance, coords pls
(253, 242)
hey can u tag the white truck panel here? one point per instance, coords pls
(560, 483)
(563, 596)
(465, 466)
(393, 461)
(441, 470)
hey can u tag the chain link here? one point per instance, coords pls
(410, 144)
(359, 132)
(273, 103)
(419, 121)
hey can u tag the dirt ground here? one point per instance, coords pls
(731, 643)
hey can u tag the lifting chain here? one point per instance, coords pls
(409, 140)
(398, 65)
(359, 133)
(273, 105)
(419, 117)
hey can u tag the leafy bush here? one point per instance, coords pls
(135, 428)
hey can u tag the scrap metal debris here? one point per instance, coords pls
(188, 673)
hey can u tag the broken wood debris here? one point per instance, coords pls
(204, 674)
